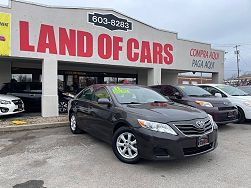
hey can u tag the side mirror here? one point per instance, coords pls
(104, 101)
(177, 95)
(219, 95)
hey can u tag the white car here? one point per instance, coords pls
(10, 105)
(235, 95)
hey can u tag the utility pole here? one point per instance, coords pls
(237, 52)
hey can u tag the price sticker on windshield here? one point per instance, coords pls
(118, 90)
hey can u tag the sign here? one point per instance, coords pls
(5, 34)
(204, 59)
(81, 44)
(110, 21)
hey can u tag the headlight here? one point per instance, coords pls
(4, 102)
(204, 103)
(215, 126)
(247, 103)
(155, 126)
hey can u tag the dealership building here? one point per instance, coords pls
(71, 48)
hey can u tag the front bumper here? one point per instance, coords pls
(10, 109)
(222, 116)
(162, 146)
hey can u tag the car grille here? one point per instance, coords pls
(193, 130)
(17, 102)
(227, 108)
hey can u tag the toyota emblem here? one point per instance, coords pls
(200, 124)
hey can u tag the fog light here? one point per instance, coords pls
(4, 110)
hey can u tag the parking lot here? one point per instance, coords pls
(56, 158)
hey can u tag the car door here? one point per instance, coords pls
(81, 105)
(101, 115)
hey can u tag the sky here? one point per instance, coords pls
(222, 23)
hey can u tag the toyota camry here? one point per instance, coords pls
(141, 123)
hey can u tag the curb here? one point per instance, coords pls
(13, 128)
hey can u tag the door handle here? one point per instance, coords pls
(32, 95)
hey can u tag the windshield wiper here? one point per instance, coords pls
(194, 95)
(131, 103)
(160, 101)
(240, 95)
(206, 95)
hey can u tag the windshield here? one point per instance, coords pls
(194, 91)
(136, 95)
(246, 89)
(232, 90)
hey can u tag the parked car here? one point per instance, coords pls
(141, 123)
(235, 95)
(31, 93)
(246, 89)
(222, 110)
(10, 105)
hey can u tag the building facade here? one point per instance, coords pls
(75, 47)
(186, 79)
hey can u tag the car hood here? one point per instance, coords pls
(8, 97)
(166, 112)
(215, 101)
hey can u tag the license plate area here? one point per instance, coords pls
(202, 141)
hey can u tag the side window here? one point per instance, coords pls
(86, 95)
(169, 91)
(213, 90)
(36, 86)
(18, 87)
(100, 94)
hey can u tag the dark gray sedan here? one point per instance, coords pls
(141, 123)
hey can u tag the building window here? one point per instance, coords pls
(110, 80)
(22, 77)
(127, 80)
(185, 82)
(61, 82)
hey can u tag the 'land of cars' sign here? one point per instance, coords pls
(110, 21)
(63, 41)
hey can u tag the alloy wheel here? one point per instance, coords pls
(73, 123)
(63, 106)
(127, 145)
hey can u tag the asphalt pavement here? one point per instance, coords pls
(54, 158)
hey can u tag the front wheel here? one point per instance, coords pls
(241, 116)
(124, 146)
(74, 124)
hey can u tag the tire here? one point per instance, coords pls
(63, 106)
(74, 125)
(241, 116)
(124, 145)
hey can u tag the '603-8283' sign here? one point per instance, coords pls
(110, 21)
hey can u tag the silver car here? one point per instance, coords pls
(10, 105)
